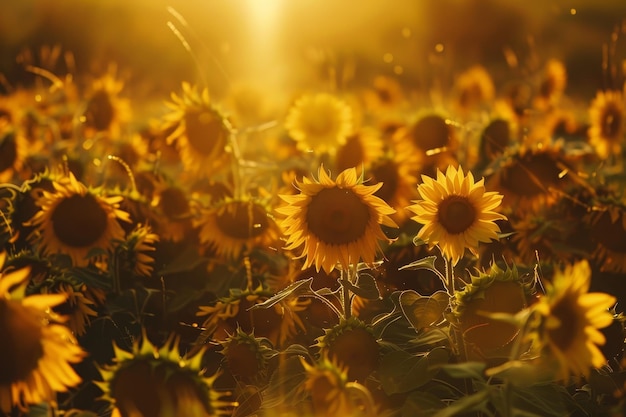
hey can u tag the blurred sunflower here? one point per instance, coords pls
(77, 307)
(105, 110)
(171, 211)
(319, 122)
(457, 213)
(338, 221)
(73, 220)
(233, 226)
(137, 246)
(361, 149)
(431, 134)
(151, 382)
(607, 118)
(384, 94)
(326, 383)
(473, 89)
(569, 319)
(551, 85)
(278, 323)
(13, 153)
(36, 352)
(607, 225)
(199, 129)
(530, 177)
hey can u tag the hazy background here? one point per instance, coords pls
(284, 42)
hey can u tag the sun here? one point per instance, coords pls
(36, 351)
(338, 221)
(456, 213)
(74, 219)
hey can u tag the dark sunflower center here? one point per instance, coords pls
(174, 202)
(350, 154)
(610, 235)
(337, 216)
(387, 173)
(205, 129)
(242, 359)
(532, 174)
(430, 132)
(357, 350)
(21, 347)
(563, 336)
(8, 151)
(319, 122)
(242, 220)
(79, 220)
(495, 138)
(611, 122)
(100, 111)
(456, 214)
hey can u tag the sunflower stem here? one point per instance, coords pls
(347, 296)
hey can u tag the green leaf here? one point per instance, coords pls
(297, 289)
(401, 371)
(544, 399)
(188, 260)
(474, 402)
(425, 263)
(473, 370)
(421, 404)
(366, 287)
(422, 311)
(284, 385)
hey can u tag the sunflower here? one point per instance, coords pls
(13, 152)
(607, 225)
(494, 291)
(552, 85)
(326, 383)
(351, 343)
(78, 308)
(73, 220)
(36, 351)
(431, 134)
(171, 211)
(105, 109)
(139, 242)
(337, 221)
(319, 122)
(234, 226)
(570, 319)
(151, 382)
(384, 94)
(530, 177)
(247, 357)
(199, 129)
(606, 116)
(457, 213)
(474, 88)
(278, 323)
(361, 149)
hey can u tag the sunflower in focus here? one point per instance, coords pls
(199, 129)
(36, 352)
(606, 116)
(457, 213)
(319, 122)
(247, 357)
(232, 227)
(73, 220)
(338, 221)
(570, 318)
(151, 382)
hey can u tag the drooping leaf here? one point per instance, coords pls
(297, 289)
(425, 263)
(475, 402)
(284, 385)
(473, 370)
(401, 371)
(366, 287)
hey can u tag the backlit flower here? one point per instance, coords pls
(337, 221)
(457, 213)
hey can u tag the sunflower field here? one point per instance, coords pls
(312, 208)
